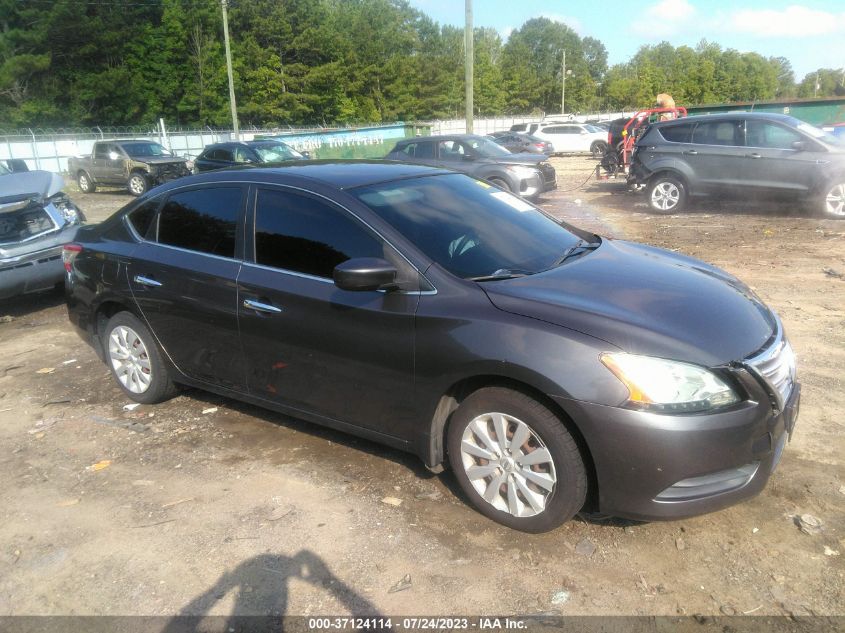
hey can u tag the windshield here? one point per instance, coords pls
(144, 149)
(469, 227)
(275, 153)
(486, 147)
(4, 170)
(818, 133)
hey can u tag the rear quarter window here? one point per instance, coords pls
(142, 218)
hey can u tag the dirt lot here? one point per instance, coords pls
(206, 506)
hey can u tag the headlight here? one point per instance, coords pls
(667, 386)
(68, 210)
(523, 172)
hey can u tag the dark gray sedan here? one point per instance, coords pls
(526, 175)
(551, 369)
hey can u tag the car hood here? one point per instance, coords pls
(644, 300)
(29, 184)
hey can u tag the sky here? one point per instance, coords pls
(809, 33)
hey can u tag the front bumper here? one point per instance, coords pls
(651, 467)
(38, 270)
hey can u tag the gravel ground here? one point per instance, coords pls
(203, 505)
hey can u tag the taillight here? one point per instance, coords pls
(69, 253)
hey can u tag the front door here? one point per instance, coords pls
(347, 356)
(773, 164)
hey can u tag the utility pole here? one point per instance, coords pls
(468, 51)
(563, 83)
(229, 71)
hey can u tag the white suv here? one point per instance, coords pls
(574, 138)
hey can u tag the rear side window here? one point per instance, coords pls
(142, 218)
(203, 220)
(677, 133)
(307, 235)
(419, 150)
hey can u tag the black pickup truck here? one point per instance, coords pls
(137, 164)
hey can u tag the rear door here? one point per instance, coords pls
(347, 356)
(184, 280)
(716, 155)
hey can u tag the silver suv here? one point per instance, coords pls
(740, 155)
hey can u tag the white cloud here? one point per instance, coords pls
(795, 21)
(664, 19)
(573, 23)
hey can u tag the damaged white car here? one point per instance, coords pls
(36, 220)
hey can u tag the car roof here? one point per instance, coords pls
(443, 137)
(722, 116)
(253, 143)
(338, 174)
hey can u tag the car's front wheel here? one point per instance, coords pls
(501, 183)
(135, 361)
(666, 194)
(85, 183)
(137, 184)
(516, 460)
(833, 201)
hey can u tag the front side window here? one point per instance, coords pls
(202, 220)
(101, 150)
(770, 135)
(308, 235)
(450, 150)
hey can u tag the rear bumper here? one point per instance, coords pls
(39, 270)
(659, 467)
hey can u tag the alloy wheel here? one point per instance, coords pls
(137, 185)
(665, 196)
(130, 359)
(835, 200)
(508, 464)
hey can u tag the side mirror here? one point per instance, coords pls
(468, 157)
(113, 155)
(365, 273)
(799, 146)
(306, 155)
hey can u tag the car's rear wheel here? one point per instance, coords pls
(137, 184)
(598, 148)
(135, 361)
(666, 194)
(833, 201)
(85, 183)
(516, 460)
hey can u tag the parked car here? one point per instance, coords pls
(550, 368)
(524, 174)
(520, 143)
(36, 220)
(137, 164)
(14, 165)
(567, 138)
(220, 155)
(527, 128)
(741, 154)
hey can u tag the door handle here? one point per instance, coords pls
(691, 152)
(754, 155)
(146, 281)
(261, 307)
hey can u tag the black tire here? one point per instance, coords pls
(138, 184)
(598, 149)
(86, 185)
(501, 183)
(832, 201)
(155, 384)
(565, 468)
(666, 194)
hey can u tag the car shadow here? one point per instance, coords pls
(617, 196)
(261, 586)
(403, 458)
(23, 305)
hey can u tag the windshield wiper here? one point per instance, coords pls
(576, 249)
(502, 273)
